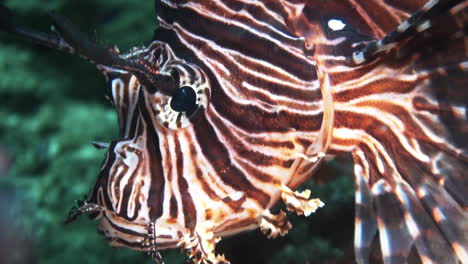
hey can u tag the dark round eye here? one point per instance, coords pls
(184, 100)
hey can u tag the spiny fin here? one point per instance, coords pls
(411, 180)
(418, 22)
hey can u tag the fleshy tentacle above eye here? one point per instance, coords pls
(69, 39)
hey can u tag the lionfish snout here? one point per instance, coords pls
(130, 191)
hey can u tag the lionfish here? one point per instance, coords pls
(236, 103)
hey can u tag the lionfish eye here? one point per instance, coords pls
(184, 100)
(175, 104)
(176, 110)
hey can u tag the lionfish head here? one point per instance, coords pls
(141, 194)
(158, 98)
(172, 178)
(184, 165)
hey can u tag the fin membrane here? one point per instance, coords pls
(412, 181)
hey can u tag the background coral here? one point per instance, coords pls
(52, 106)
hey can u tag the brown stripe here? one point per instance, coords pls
(101, 182)
(272, 144)
(173, 207)
(382, 85)
(237, 224)
(235, 38)
(116, 178)
(199, 173)
(247, 152)
(218, 156)
(188, 207)
(254, 119)
(168, 160)
(124, 230)
(127, 192)
(258, 173)
(156, 190)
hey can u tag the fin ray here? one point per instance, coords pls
(417, 172)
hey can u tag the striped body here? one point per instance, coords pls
(283, 88)
(274, 90)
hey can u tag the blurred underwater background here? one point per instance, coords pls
(53, 105)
